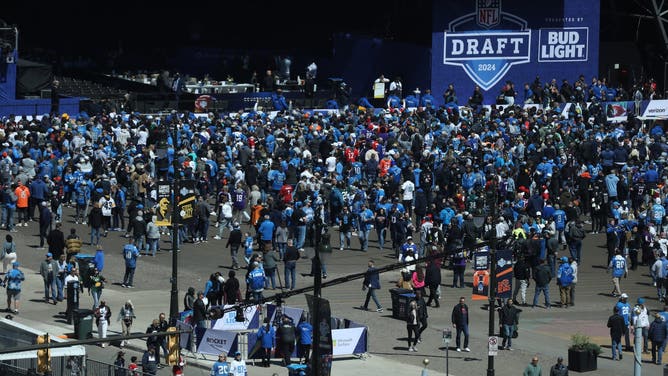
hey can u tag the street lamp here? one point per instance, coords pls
(492, 278)
(174, 293)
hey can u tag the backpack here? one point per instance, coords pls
(567, 276)
(576, 232)
(256, 280)
(433, 235)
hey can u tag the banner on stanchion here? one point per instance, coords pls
(480, 274)
(163, 216)
(504, 274)
(214, 342)
(184, 338)
(294, 313)
(349, 341)
(229, 319)
(324, 343)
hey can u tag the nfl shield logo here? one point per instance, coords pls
(488, 13)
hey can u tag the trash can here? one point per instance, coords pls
(83, 323)
(296, 369)
(400, 300)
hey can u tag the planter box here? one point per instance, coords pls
(582, 361)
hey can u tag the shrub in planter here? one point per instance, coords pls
(582, 355)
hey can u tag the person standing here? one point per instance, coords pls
(522, 272)
(287, 334)
(23, 198)
(422, 314)
(231, 291)
(119, 365)
(305, 332)
(433, 282)
(56, 241)
(266, 335)
(574, 266)
(640, 319)
(565, 280)
(658, 333)
(199, 311)
(149, 362)
(60, 276)
(542, 276)
(625, 311)
(234, 242)
(412, 323)
(559, 369)
(102, 315)
(99, 258)
(617, 329)
(13, 281)
(460, 321)
(509, 319)
(221, 367)
(290, 268)
(533, 369)
(44, 223)
(372, 283)
(126, 316)
(8, 255)
(238, 366)
(96, 286)
(130, 254)
(49, 272)
(459, 267)
(619, 270)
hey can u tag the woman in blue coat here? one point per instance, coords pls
(267, 337)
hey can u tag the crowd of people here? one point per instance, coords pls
(437, 179)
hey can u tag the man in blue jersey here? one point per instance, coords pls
(624, 310)
(221, 367)
(559, 217)
(619, 270)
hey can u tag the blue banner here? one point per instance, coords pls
(504, 274)
(489, 42)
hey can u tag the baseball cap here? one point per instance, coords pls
(564, 259)
(409, 238)
(641, 301)
(16, 264)
(237, 353)
(49, 254)
(624, 296)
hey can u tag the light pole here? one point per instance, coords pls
(447, 337)
(492, 278)
(174, 293)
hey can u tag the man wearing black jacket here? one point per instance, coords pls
(522, 272)
(432, 279)
(460, 321)
(56, 241)
(617, 329)
(234, 242)
(542, 276)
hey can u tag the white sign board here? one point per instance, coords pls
(493, 345)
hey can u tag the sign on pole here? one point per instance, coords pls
(163, 216)
(447, 336)
(492, 345)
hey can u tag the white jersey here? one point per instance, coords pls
(408, 187)
(238, 368)
(106, 204)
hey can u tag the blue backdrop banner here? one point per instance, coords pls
(489, 42)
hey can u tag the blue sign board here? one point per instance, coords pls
(489, 42)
